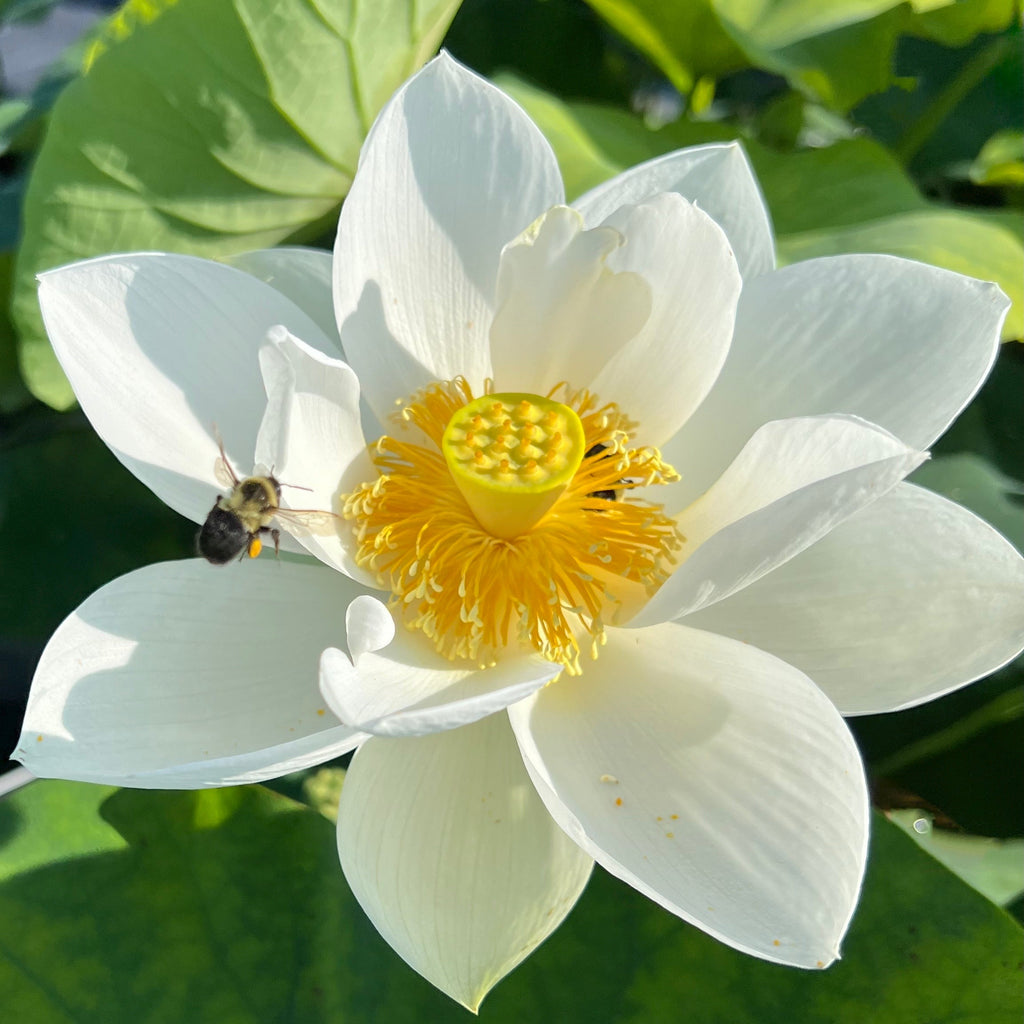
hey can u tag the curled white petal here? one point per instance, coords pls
(663, 373)
(718, 178)
(368, 626)
(793, 482)
(407, 689)
(562, 312)
(311, 436)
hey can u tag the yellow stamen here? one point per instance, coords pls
(476, 592)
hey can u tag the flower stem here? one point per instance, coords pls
(971, 75)
(1007, 707)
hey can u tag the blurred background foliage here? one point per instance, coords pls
(218, 126)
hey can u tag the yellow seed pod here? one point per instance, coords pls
(511, 456)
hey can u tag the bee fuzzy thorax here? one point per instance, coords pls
(255, 501)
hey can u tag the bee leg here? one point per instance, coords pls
(276, 534)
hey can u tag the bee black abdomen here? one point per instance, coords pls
(608, 493)
(222, 537)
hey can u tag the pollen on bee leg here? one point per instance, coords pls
(255, 547)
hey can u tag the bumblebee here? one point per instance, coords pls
(607, 493)
(236, 522)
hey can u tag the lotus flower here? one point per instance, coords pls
(629, 537)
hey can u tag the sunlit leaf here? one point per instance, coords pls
(1001, 160)
(594, 143)
(55, 821)
(802, 187)
(957, 23)
(686, 40)
(995, 867)
(220, 126)
(838, 52)
(322, 790)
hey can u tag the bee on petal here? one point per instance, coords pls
(238, 520)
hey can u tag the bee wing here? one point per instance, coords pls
(306, 520)
(224, 473)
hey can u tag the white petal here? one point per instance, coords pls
(408, 689)
(716, 779)
(311, 436)
(562, 312)
(718, 178)
(184, 675)
(304, 275)
(368, 626)
(451, 171)
(792, 483)
(781, 458)
(453, 857)
(161, 350)
(663, 373)
(901, 344)
(909, 599)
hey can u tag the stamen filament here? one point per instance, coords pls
(475, 593)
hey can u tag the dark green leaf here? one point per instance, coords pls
(685, 40)
(561, 45)
(229, 906)
(957, 752)
(594, 143)
(72, 519)
(801, 187)
(837, 52)
(948, 103)
(12, 392)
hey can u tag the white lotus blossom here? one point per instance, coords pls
(633, 642)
